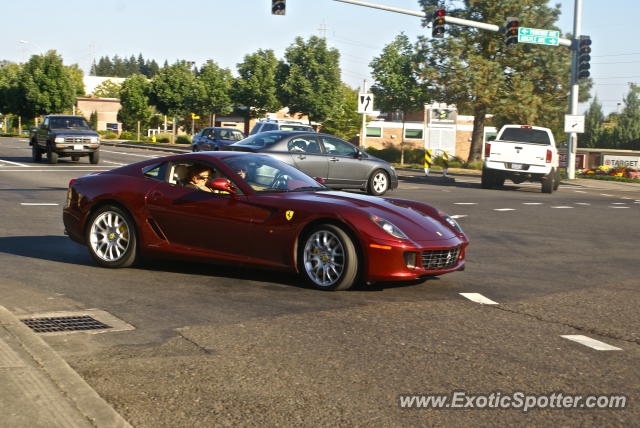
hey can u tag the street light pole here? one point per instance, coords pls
(573, 105)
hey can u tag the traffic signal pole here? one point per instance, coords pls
(573, 106)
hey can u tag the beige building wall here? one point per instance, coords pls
(107, 109)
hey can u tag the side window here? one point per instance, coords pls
(304, 144)
(210, 134)
(155, 171)
(334, 146)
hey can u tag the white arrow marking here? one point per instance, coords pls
(591, 343)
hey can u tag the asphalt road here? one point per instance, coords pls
(218, 346)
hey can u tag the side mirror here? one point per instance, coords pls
(358, 154)
(223, 185)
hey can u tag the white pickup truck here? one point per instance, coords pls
(521, 153)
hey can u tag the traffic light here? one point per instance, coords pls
(437, 29)
(511, 31)
(278, 7)
(584, 49)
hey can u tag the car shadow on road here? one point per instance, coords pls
(55, 248)
(35, 189)
(440, 181)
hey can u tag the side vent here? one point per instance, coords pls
(156, 229)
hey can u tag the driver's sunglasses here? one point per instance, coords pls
(202, 177)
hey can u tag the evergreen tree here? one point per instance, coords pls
(627, 133)
(119, 67)
(527, 84)
(152, 68)
(592, 125)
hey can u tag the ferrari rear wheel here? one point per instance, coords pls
(111, 237)
(328, 258)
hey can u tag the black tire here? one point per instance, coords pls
(556, 184)
(378, 183)
(488, 180)
(52, 156)
(343, 253)
(548, 182)
(195, 148)
(499, 180)
(36, 154)
(112, 246)
(94, 157)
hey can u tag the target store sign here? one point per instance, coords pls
(621, 161)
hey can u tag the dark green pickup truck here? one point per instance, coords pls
(65, 136)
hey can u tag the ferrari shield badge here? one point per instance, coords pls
(288, 215)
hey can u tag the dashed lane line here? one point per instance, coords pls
(504, 209)
(15, 163)
(618, 203)
(465, 203)
(582, 203)
(591, 343)
(617, 206)
(478, 298)
(605, 194)
(532, 203)
(580, 191)
(562, 207)
(33, 204)
(459, 216)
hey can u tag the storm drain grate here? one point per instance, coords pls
(75, 323)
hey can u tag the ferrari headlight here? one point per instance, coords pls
(450, 221)
(388, 227)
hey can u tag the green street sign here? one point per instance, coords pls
(538, 36)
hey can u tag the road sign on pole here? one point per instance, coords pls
(538, 36)
(574, 123)
(365, 103)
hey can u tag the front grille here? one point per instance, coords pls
(75, 323)
(77, 140)
(440, 259)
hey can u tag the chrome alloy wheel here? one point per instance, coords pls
(109, 236)
(380, 182)
(324, 258)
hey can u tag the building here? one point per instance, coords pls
(106, 108)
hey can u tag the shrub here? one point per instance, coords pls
(183, 139)
(474, 165)
(108, 135)
(163, 138)
(126, 135)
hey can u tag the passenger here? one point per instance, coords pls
(198, 178)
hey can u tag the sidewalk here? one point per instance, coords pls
(39, 389)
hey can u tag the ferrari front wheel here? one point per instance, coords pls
(328, 258)
(111, 237)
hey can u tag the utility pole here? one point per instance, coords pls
(363, 132)
(573, 104)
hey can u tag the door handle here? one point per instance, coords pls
(302, 157)
(334, 159)
(154, 196)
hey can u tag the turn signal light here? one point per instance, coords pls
(549, 156)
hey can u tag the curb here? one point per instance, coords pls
(77, 391)
(144, 146)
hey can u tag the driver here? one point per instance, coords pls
(198, 177)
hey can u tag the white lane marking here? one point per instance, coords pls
(591, 343)
(129, 154)
(459, 216)
(465, 203)
(562, 206)
(618, 203)
(582, 203)
(617, 206)
(114, 163)
(626, 197)
(504, 209)
(580, 191)
(605, 194)
(532, 203)
(31, 204)
(478, 298)
(15, 163)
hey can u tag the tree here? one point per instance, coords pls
(593, 121)
(45, 86)
(8, 88)
(526, 84)
(255, 87)
(174, 90)
(107, 89)
(215, 93)
(77, 76)
(345, 121)
(627, 133)
(134, 97)
(311, 78)
(397, 84)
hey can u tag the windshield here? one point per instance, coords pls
(268, 175)
(69, 123)
(263, 139)
(296, 128)
(229, 135)
(525, 135)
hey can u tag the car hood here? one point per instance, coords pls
(74, 132)
(414, 219)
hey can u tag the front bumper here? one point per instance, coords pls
(391, 261)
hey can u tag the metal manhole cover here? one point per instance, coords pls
(72, 323)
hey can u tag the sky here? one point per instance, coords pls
(225, 31)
